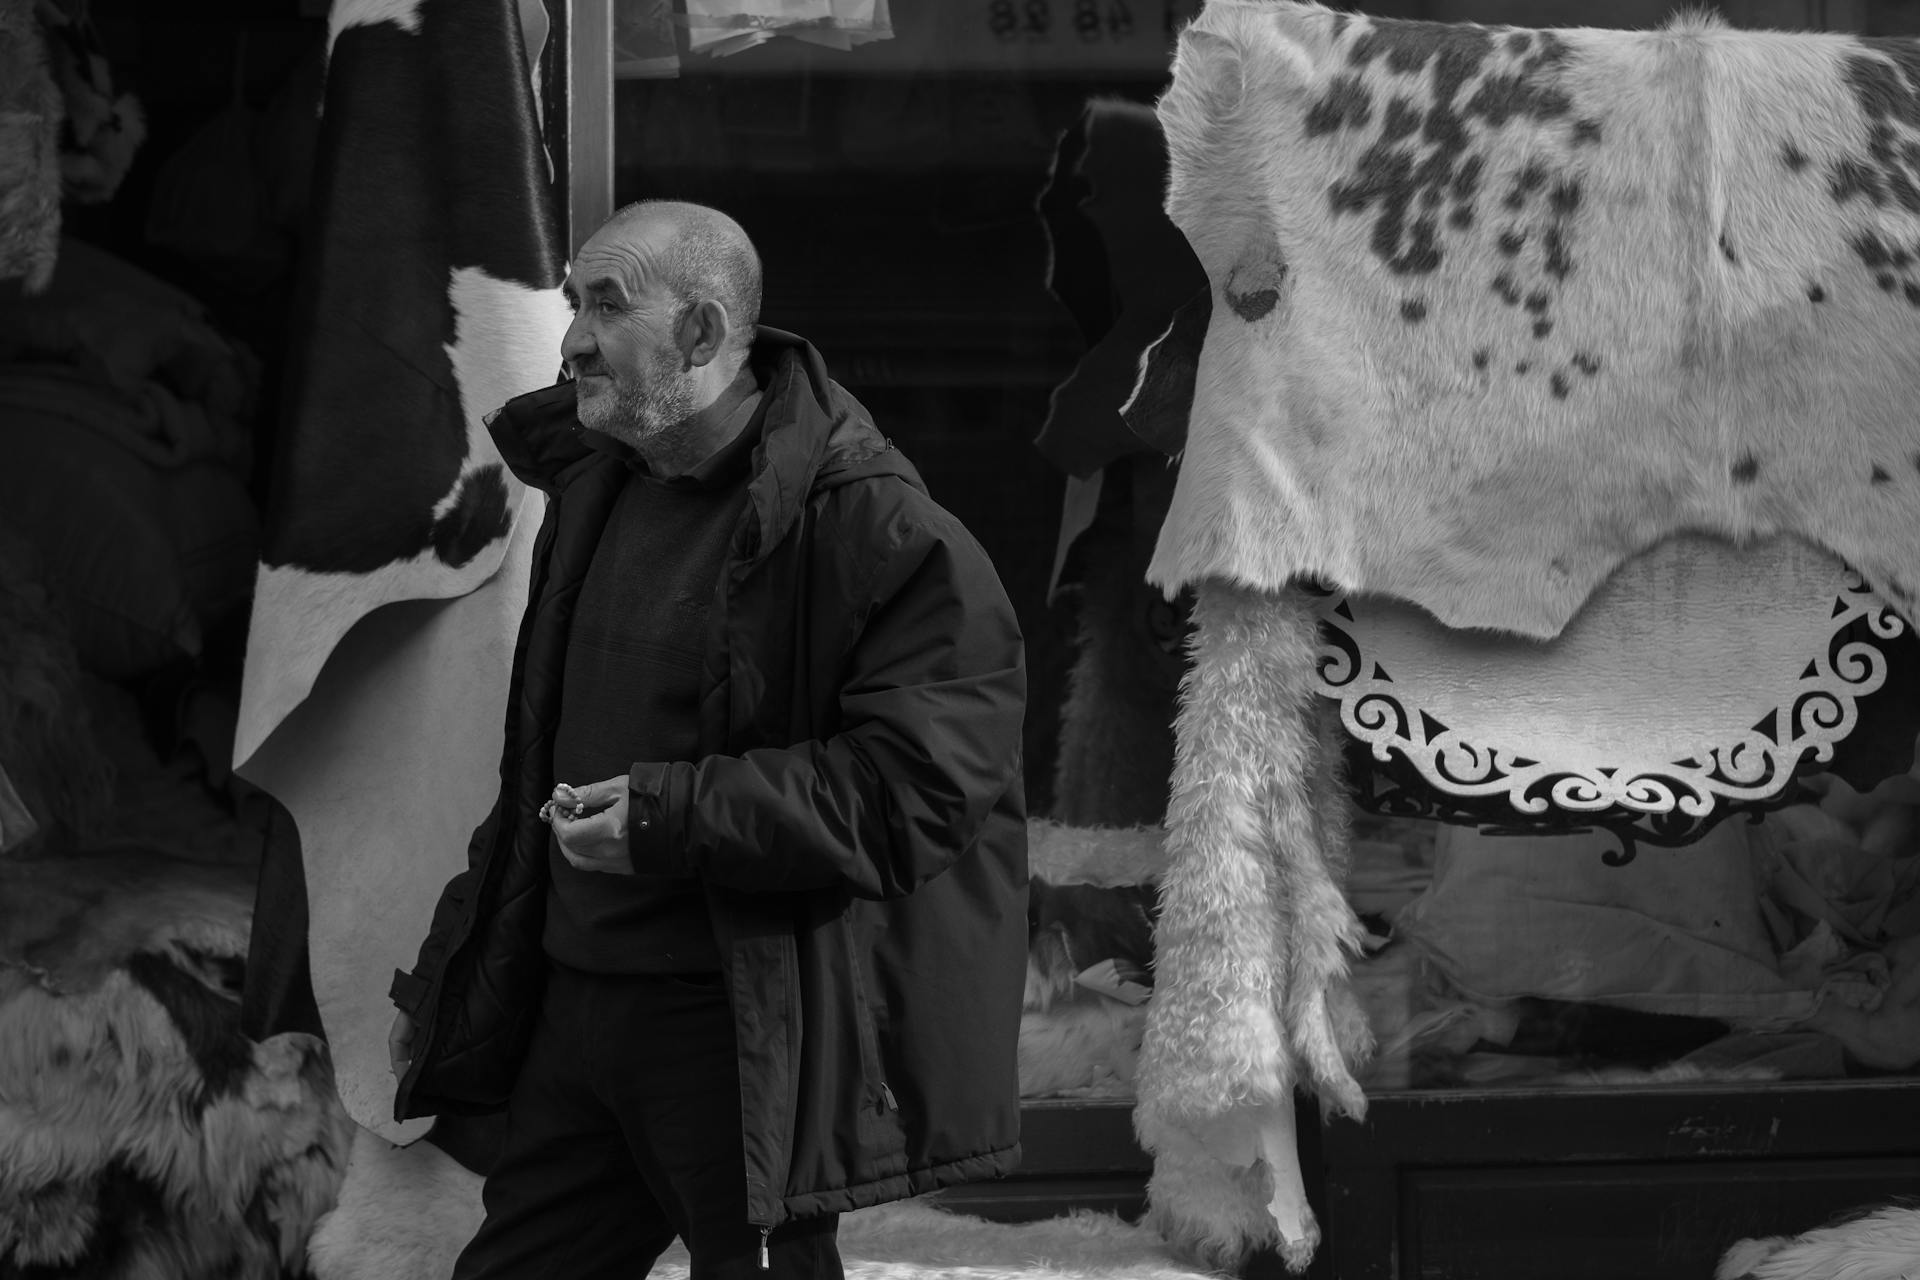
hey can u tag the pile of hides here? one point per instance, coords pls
(1782, 947)
(1881, 1244)
(140, 1132)
(406, 1212)
(64, 132)
(125, 451)
(1493, 310)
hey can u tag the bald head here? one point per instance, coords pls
(702, 255)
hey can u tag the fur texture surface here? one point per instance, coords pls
(1251, 989)
(1116, 723)
(1497, 309)
(1063, 854)
(1883, 1244)
(406, 1212)
(48, 749)
(913, 1240)
(30, 116)
(1087, 1046)
(141, 1134)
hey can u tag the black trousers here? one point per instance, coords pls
(623, 1132)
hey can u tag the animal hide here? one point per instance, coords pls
(61, 779)
(1116, 722)
(1492, 311)
(385, 770)
(1251, 993)
(1095, 855)
(406, 1212)
(140, 1133)
(1117, 265)
(1883, 1244)
(1497, 309)
(433, 300)
(30, 116)
(1090, 909)
(429, 297)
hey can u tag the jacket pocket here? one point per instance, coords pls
(876, 1095)
(878, 1129)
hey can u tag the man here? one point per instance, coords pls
(766, 964)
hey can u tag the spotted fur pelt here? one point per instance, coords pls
(1883, 1244)
(1251, 992)
(1497, 309)
(141, 1134)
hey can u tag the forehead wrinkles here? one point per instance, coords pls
(634, 266)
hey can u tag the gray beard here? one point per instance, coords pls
(644, 417)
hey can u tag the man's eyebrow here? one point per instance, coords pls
(606, 286)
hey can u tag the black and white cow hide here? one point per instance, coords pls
(431, 299)
(428, 297)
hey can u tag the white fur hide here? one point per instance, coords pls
(1061, 854)
(913, 1240)
(1251, 990)
(406, 1212)
(1881, 1245)
(1496, 309)
(1087, 1046)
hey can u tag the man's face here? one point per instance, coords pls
(632, 379)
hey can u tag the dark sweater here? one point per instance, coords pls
(630, 693)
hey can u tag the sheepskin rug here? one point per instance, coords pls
(912, 1240)
(1883, 1244)
(141, 1134)
(406, 1212)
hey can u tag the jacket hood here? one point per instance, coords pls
(823, 438)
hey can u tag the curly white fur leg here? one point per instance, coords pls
(1253, 929)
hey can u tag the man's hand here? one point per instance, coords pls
(591, 825)
(400, 1044)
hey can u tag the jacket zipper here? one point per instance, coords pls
(764, 1232)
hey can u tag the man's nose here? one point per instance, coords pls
(578, 344)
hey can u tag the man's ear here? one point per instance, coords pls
(703, 334)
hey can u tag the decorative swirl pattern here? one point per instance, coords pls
(1663, 805)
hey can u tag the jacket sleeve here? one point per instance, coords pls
(409, 990)
(929, 740)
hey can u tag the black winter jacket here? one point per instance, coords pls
(857, 818)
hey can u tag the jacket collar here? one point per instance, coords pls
(817, 435)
